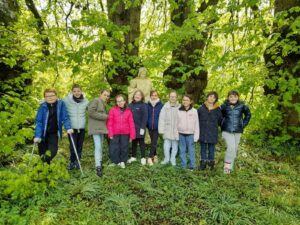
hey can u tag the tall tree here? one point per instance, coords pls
(188, 55)
(126, 16)
(282, 59)
(9, 10)
(40, 26)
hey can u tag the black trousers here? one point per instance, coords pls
(118, 148)
(50, 143)
(154, 138)
(141, 142)
(78, 138)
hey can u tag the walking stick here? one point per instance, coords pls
(31, 155)
(75, 150)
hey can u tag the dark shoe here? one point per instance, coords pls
(211, 164)
(71, 166)
(99, 171)
(202, 165)
(77, 165)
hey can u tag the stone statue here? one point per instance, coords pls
(141, 82)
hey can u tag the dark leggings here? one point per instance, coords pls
(141, 142)
(154, 137)
(78, 138)
(49, 143)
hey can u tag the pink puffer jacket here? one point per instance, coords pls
(120, 122)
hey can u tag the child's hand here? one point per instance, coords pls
(70, 131)
(37, 140)
(130, 140)
(112, 137)
(142, 131)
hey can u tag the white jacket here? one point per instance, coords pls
(167, 123)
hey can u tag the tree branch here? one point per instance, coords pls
(40, 26)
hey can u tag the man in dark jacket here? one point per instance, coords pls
(51, 115)
(236, 117)
(154, 108)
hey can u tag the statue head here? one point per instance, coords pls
(142, 72)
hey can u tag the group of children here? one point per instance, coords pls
(181, 126)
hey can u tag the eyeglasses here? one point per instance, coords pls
(50, 96)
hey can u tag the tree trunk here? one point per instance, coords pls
(124, 64)
(286, 70)
(9, 10)
(187, 56)
(40, 26)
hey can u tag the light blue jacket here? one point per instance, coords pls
(76, 111)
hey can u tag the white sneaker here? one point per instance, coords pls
(164, 162)
(122, 165)
(132, 159)
(149, 162)
(143, 161)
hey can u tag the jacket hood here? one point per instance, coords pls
(226, 102)
(168, 104)
(157, 102)
(182, 108)
(70, 97)
(215, 106)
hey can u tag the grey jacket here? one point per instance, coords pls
(76, 111)
(97, 117)
(167, 124)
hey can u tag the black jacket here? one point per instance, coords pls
(236, 117)
(140, 116)
(209, 121)
(52, 126)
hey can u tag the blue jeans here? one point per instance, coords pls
(167, 145)
(211, 151)
(98, 142)
(186, 142)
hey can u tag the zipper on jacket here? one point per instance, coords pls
(57, 108)
(46, 122)
(153, 118)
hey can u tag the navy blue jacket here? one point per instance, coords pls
(140, 115)
(236, 117)
(209, 121)
(41, 119)
(153, 115)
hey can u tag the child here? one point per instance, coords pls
(51, 115)
(236, 117)
(121, 130)
(167, 126)
(97, 126)
(210, 116)
(139, 111)
(154, 108)
(76, 105)
(188, 129)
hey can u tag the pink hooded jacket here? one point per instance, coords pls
(119, 122)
